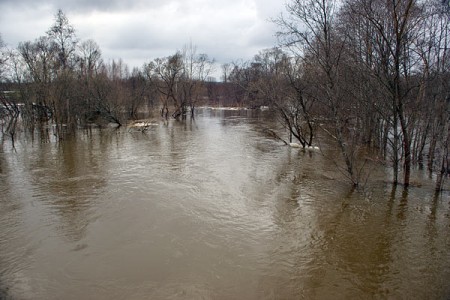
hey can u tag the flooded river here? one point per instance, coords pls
(210, 209)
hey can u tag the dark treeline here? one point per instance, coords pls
(371, 74)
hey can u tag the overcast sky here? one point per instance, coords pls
(140, 30)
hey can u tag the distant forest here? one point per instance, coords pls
(372, 75)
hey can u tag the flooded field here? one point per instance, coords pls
(211, 209)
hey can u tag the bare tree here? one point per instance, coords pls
(140, 92)
(62, 34)
(179, 79)
(244, 79)
(296, 107)
(38, 58)
(9, 112)
(105, 95)
(89, 67)
(433, 45)
(196, 69)
(164, 74)
(310, 32)
(226, 69)
(3, 57)
(89, 58)
(9, 109)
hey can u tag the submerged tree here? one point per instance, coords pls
(165, 73)
(377, 72)
(297, 107)
(179, 79)
(140, 93)
(394, 26)
(274, 79)
(310, 32)
(196, 69)
(433, 46)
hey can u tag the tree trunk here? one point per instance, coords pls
(406, 149)
(440, 176)
(395, 151)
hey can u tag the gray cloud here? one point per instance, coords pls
(141, 30)
(81, 6)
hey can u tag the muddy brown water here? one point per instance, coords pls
(211, 209)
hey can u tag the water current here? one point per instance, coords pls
(211, 209)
